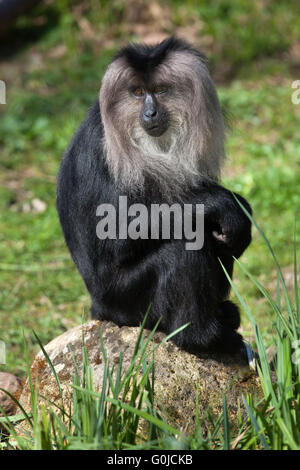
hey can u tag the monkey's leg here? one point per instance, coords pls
(214, 337)
(229, 314)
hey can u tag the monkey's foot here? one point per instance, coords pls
(250, 355)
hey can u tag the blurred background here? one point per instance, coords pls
(52, 57)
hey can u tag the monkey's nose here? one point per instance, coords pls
(150, 114)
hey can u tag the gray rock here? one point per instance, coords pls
(177, 373)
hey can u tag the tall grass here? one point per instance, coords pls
(275, 423)
(124, 416)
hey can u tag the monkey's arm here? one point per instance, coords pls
(226, 220)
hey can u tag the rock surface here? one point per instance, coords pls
(13, 385)
(177, 373)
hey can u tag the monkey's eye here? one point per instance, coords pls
(138, 92)
(159, 90)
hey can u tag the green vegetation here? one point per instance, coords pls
(249, 30)
(53, 76)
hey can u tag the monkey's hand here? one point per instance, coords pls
(229, 225)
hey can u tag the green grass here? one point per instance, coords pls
(248, 30)
(52, 79)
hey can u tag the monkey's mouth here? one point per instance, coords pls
(156, 130)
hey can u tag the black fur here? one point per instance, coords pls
(125, 276)
(144, 58)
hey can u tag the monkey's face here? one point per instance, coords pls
(153, 114)
(152, 109)
(161, 116)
